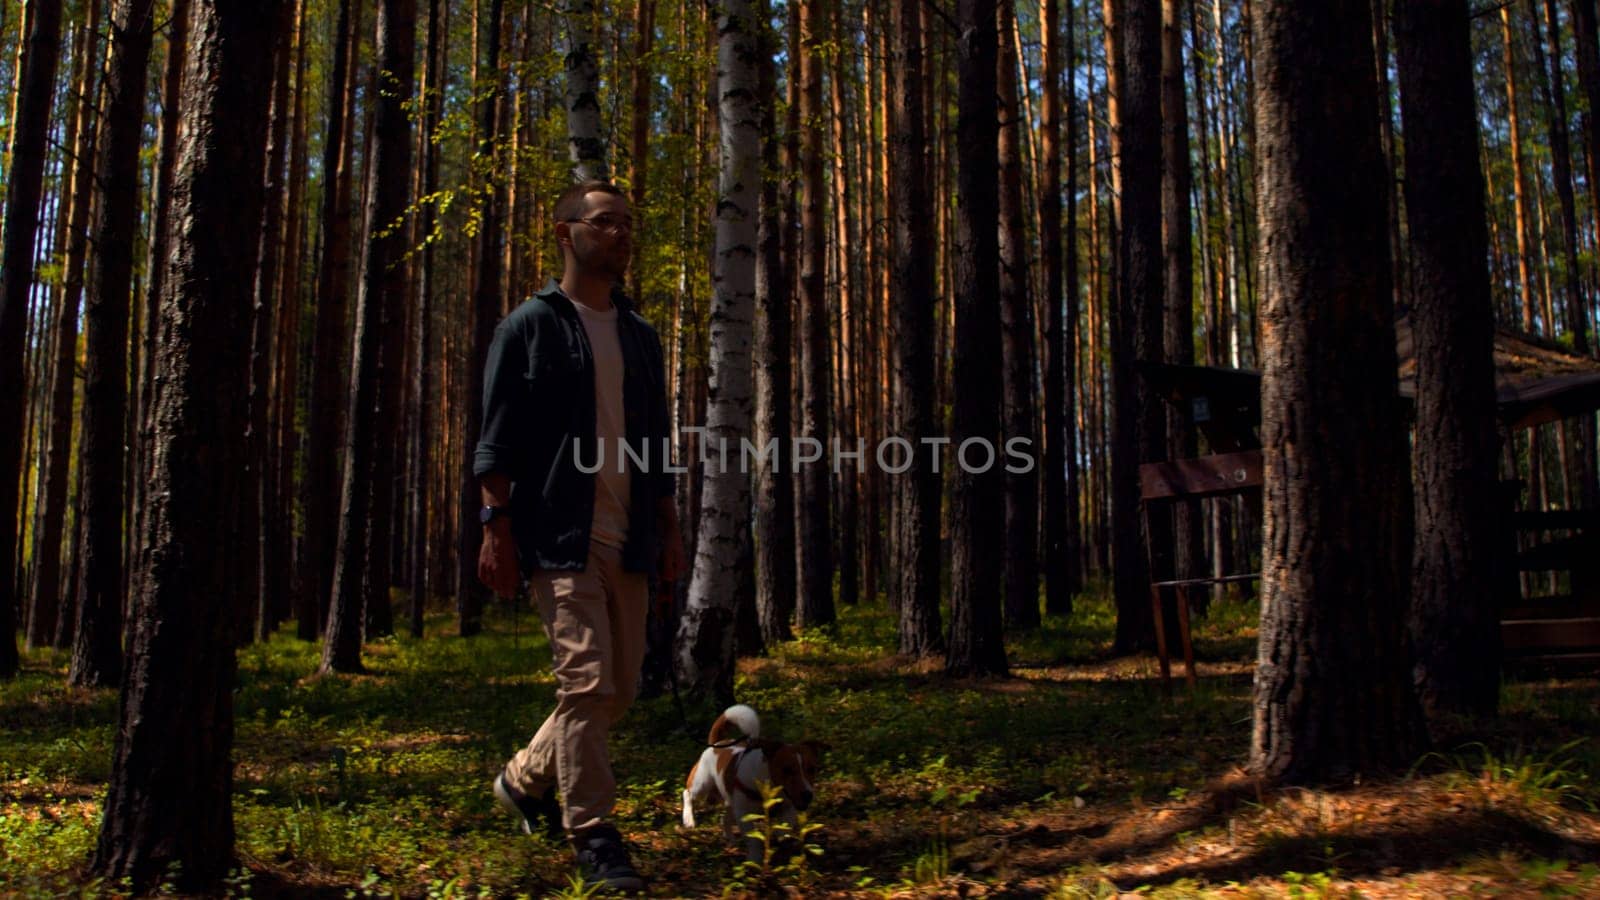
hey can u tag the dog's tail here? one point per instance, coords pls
(739, 717)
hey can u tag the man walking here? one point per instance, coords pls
(573, 374)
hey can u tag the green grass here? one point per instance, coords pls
(378, 783)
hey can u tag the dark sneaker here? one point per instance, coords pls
(539, 815)
(604, 861)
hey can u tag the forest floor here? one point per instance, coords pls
(1072, 778)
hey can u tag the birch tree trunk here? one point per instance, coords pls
(705, 652)
(586, 145)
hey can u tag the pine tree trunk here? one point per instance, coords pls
(1457, 566)
(1060, 459)
(46, 598)
(918, 566)
(706, 632)
(434, 86)
(1137, 335)
(1519, 184)
(1021, 562)
(177, 34)
(977, 513)
(97, 652)
(170, 796)
(485, 314)
(774, 480)
(329, 348)
(1178, 284)
(1333, 692)
(814, 539)
(380, 308)
(25, 180)
(254, 528)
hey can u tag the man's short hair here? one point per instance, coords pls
(569, 205)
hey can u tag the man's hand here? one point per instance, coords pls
(497, 559)
(497, 555)
(671, 566)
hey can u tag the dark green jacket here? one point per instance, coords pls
(538, 404)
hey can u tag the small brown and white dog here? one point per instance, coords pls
(732, 766)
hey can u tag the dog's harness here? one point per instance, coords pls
(734, 781)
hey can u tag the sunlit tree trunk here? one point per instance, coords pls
(1519, 182)
(705, 635)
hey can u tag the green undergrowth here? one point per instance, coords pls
(378, 784)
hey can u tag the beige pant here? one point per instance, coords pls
(595, 620)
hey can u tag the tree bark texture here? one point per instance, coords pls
(918, 566)
(172, 777)
(1333, 695)
(977, 515)
(815, 536)
(1137, 331)
(1457, 570)
(774, 481)
(585, 141)
(1021, 566)
(705, 655)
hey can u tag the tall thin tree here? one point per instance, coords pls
(97, 653)
(814, 538)
(917, 568)
(29, 127)
(705, 635)
(380, 307)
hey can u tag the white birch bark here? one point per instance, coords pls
(586, 145)
(705, 650)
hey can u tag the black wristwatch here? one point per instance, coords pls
(488, 513)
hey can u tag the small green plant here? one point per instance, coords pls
(932, 865)
(1554, 778)
(778, 849)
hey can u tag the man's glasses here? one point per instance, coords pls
(608, 223)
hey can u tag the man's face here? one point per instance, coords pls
(601, 237)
